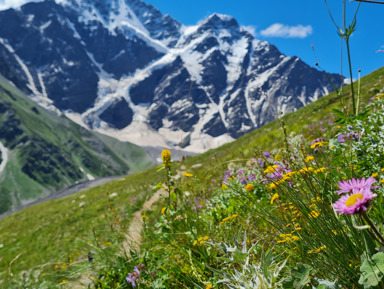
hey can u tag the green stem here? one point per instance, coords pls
(350, 73)
(366, 218)
(358, 93)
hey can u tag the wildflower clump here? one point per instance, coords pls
(248, 187)
(289, 238)
(201, 241)
(166, 158)
(274, 197)
(317, 250)
(230, 218)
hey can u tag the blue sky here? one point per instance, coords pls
(297, 27)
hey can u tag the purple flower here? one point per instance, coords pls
(341, 138)
(356, 186)
(261, 163)
(251, 177)
(354, 203)
(136, 269)
(243, 180)
(317, 140)
(131, 279)
(199, 207)
(240, 172)
(227, 174)
(267, 155)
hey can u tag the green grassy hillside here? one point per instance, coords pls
(49, 152)
(50, 232)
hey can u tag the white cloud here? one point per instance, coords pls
(286, 31)
(6, 4)
(348, 80)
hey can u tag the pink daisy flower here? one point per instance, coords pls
(354, 203)
(356, 185)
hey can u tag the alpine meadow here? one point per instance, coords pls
(140, 152)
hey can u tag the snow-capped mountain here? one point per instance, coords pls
(124, 69)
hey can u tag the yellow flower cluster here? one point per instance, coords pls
(296, 227)
(289, 238)
(166, 157)
(314, 200)
(200, 241)
(284, 178)
(305, 170)
(313, 214)
(309, 158)
(271, 169)
(293, 210)
(289, 175)
(234, 216)
(379, 96)
(224, 186)
(274, 197)
(249, 187)
(317, 250)
(163, 210)
(320, 170)
(318, 144)
(187, 175)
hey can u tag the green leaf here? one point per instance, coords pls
(339, 113)
(300, 275)
(325, 284)
(370, 245)
(158, 186)
(372, 270)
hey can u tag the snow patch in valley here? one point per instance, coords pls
(4, 156)
(89, 176)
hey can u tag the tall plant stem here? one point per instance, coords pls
(350, 73)
(366, 218)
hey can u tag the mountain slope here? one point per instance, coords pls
(122, 68)
(41, 242)
(43, 152)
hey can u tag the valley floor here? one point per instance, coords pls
(72, 189)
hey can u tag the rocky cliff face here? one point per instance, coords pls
(123, 68)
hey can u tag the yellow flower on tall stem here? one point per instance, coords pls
(166, 157)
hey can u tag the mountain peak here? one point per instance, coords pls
(220, 21)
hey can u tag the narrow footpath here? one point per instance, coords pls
(132, 239)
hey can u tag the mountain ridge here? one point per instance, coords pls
(124, 69)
